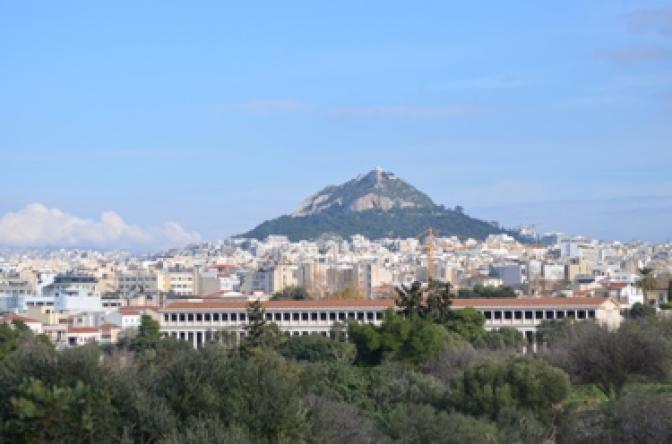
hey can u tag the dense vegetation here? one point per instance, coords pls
(376, 224)
(427, 374)
(481, 291)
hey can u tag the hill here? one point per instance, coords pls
(376, 205)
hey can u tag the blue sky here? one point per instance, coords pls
(217, 116)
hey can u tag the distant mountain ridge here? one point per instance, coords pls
(376, 205)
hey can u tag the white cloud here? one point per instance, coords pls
(38, 226)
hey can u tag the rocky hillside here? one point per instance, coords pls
(378, 204)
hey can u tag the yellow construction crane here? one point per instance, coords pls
(429, 250)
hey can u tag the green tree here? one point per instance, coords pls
(439, 300)
(412, 340)
(316, 348)
(43, 413)
(467, 322)
(641, 311)
(647, 281)
(149, 334)
(592, 354)
(411, 423)
(518, 383)
(259, 332)
(409, 299)
(501, 339)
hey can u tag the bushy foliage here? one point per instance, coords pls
(592, 354)
(518, 383)
(412, 340)
(376, 224)
(409, 380)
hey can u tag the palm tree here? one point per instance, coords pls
(439, 299)
(646, 281)
(409, 298)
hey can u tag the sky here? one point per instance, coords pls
(151, 124)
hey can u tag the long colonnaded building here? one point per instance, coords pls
(199, 321)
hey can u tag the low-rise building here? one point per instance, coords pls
(199, 321)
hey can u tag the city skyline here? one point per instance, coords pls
(179, 124)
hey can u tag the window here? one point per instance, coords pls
(313, 316)
(591, 314)
(242, 316)
(360, 316)
(508, 315)
(528, 314)
(487, 314)
(379, 315)
(323, 316)
(190, 317)
(165, 317)
(498, 315)
(341, 316)
(215, 317)
(369, 316)
(550, 314)
(304, 316)
(539, 314)
(286, 316)
(581, 314)
(518, 314)
(269, 316)
(225, 316)
(234, 316)
(278, 316)
(351, 315)
(332, 316)
(173, 317)
(571, 314)
(295, 316)
(199, 317)
(560, 314)
(207, 316)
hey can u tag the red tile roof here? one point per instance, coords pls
(276, 305)
(83, 330)
(529, 302)
(14, 317)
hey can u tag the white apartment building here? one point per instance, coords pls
(137, 281)
(198, 321)
(554, 272)
(179, 282)
(74, 292)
